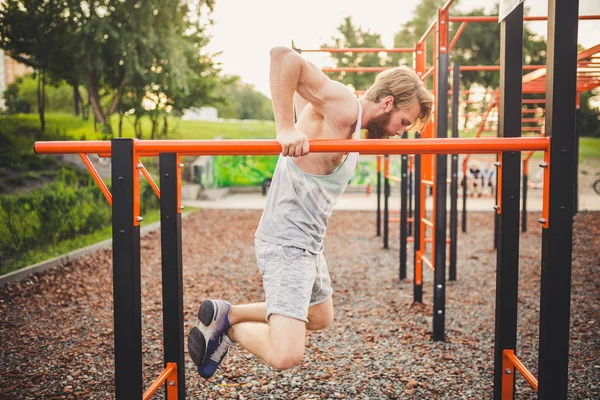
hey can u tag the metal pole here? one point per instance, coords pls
(464, 202)
(417, 286)
(172, 277)
(386, 195)
(507, 266)
(454, 174)
(126, 274)
(403, 213)
(439, 284)
(378, 196)
(561, 83)
(524, 207)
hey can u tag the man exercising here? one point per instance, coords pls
(304, 189)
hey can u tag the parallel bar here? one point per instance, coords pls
(172, 260)
(271, 147)
(507, 265)
(126, 276)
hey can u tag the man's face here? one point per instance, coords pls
(392, 122)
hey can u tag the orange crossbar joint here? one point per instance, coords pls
(168, 376)
(510, 364)
(97, 177)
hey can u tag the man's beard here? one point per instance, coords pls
(376, 127)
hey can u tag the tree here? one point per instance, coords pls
(239, 100)
(589, 117)
(108, 45)
(355, 36)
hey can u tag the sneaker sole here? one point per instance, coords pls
(196, 339)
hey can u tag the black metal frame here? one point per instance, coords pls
(561, 86)
(379, 200)
(172, 275)
(507, 267)
(386, 211)
(439, 282)
(403, 212)
(417, 288)
(126, 275)
(454, 175)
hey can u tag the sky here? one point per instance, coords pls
(245, 30)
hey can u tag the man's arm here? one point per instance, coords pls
(290, 73)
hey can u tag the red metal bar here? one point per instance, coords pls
(496, 67)
(510, 362)
(271, 147)
(459, 32)
(527, 18)
(169, 375)
(427, 222)
(546, 198)
(427, 32)
(149, 179)
(428, 73)
(359, 50)
(97, 177)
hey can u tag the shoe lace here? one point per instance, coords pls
(220, 352)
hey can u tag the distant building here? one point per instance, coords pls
(10, 70)
(200, 114)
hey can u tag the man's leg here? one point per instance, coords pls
(281, 342)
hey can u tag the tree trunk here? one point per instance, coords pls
(76, 100)
(41, 97)
(165, 128)
(95, 97)
(120, 125)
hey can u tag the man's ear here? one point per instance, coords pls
(387, 103)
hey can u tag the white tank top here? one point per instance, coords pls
(299, 204)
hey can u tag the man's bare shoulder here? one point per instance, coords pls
(340, 105)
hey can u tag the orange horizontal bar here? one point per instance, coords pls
(359, 50)
(271, 147)
(510, 355)
(533, 101)
(72, 147)
(526, 18)
(171, 369)
(427, 262)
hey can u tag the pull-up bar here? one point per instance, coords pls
(358, 50)
(271, 147)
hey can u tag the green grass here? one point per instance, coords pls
(35, 256)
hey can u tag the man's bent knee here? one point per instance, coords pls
(283, 361)
(318, 322)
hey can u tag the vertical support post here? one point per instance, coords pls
(126, 274)
(418, 264)
(439, 284)
(403, 212)
(410, 195)
(464, 198)
(507, 270)
(576, 155)
(386, 195)
(557, 247)
(172, 277)
(524, 206)
(378, 195)
(454, 174)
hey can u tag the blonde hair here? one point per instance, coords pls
(406, 87)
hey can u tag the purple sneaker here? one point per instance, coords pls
(213, 321)
(217, 350)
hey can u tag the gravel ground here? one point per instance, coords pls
(57, 332)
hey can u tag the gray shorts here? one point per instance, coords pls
(294, 279)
